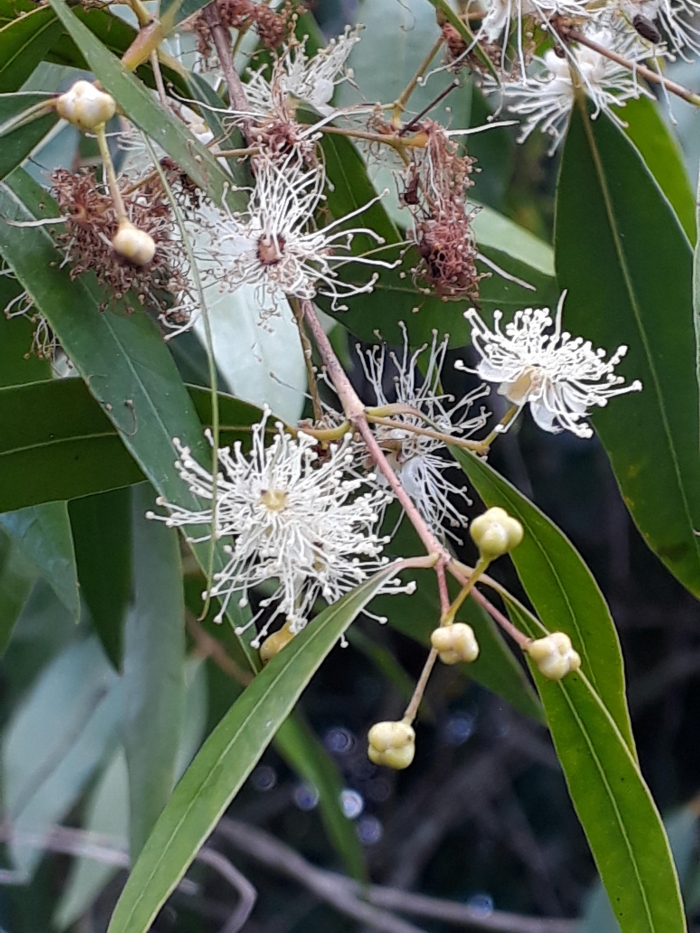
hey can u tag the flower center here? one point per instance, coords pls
(274, 500)
(270, 249)
(519, 391)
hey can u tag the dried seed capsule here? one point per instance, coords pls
(455, 643)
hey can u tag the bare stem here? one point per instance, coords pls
(222, 43)
(636, 67)
(412, 708)
(448, 617)
(114, 191)
(501, 427)
(308, 360)
(476, 446)
(402, 100)
(158, 75)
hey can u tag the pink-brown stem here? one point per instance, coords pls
(222, 43)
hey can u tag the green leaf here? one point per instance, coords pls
(56, 442)
(650, 133)
(17, 576)
(154, 669)
(143, 110)
(227, 758)
(616, 810)
(23, 44)
(43, 535)
(560, 586)
(122, 358)
(55, 740)
(627, 263)
(300, 747)
(102, 537)
(18, 143)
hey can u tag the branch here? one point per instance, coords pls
(344, 893)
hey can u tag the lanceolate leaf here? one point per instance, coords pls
(227, 758)
(17, 576)
(56, 441)
(561, 588)
(23, 44)
(627, 263)
(17, 144)
(122, 358)
(43, 535)
(617, 812)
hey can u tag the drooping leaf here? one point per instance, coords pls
(616, 810)
(43, 535)
(562, 589)
(24, 42)
(227, 758)
(627, 263)
(101, 527)
(154, 669)
(56, 441)
(54, 742)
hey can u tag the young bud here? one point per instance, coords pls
(554, 656)
(85, 106)
(391, 744)
(274, 643)
(133, 244)
(455, 643)
(495, 533)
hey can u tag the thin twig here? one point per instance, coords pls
(635, 67)
(222, 43)
(344, 893)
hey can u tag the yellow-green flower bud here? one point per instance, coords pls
(554, 655)
(85, 106)
(495, 533)
(133, 244)
(392, 744)
(274, 643)
(455, 643)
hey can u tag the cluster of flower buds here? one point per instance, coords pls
(554, 656)
(85, 106)
(495, 533)
(392, 744)
(455, 643)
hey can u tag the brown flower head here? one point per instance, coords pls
(437, 182)
(91, 225)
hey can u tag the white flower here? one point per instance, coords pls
(276, 245)
(414, 456)
(291, 516)
(560, 376)
(546, 99)
(674, 17)
(296, 79)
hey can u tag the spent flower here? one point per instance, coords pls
(561, 377)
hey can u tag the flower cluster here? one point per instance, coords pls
(422, 417)
(288, 513)
(534, 362)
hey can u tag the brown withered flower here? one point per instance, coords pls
(437, 182)
(273, 26)
(91, 225)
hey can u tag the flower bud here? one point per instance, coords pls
(455, 643)
(133, 244)
(554, 656)
(85, 106)
(392, 744)
(495, 533)
(274, 643)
